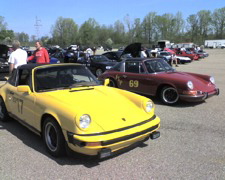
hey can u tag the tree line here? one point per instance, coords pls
(196, 28)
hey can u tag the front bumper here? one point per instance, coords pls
(112, 141)
(199, 97)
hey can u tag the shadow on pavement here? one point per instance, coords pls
(35, 142)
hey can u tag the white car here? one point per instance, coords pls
(182, 59)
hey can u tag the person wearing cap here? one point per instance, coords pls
(17, 57)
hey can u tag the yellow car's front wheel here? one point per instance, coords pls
(3, 111)
(53, 137)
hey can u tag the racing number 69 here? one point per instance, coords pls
(133, 83)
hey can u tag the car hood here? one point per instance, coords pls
(106, 106)
(132, 49)
(181, 78)
(3, 51)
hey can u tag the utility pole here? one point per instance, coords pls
(37, 27)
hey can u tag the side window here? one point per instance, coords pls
(24, 77)
(141, 69)
(12, 79)
(132, 67)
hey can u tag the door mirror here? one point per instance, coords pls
(106, 82)
(23, 88)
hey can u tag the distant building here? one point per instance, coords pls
(217, 43)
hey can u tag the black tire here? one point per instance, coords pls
(4, 116)
(53, 137)
(98, 72)
(169, 95)
(112, 83)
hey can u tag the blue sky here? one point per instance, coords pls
(20, 15)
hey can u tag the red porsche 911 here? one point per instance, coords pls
(155, 77)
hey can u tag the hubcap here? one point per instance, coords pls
(98, 72)
(1, 113)
(111, 83)
(170, 95)
(51, 136)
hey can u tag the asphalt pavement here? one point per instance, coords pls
(191, 145)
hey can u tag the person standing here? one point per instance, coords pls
(17, 57)
(174, 59)
(40, 54)
(142, 53)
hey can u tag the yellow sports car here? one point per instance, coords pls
(68, 107)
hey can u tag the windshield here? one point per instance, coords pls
(158, 65)
(61, 77)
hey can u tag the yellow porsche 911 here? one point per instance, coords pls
(68, 107)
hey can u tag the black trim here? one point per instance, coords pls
(74, 141)
(118, 130)
(124, 138)
(25, 124)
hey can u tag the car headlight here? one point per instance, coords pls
(85, 121)
(212, 80)
(149, 105)
(190, 85)
(108, 67)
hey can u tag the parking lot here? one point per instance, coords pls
(191, 146)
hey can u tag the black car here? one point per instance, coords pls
(116, 55)
(99, 64)
(4, 55)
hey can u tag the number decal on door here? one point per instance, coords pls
(133, 83)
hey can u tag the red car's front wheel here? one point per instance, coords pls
(169, 95)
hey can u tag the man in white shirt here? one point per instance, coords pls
(17, 57)
(143, 54)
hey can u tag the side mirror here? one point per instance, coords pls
(106, 82)
(24, 88)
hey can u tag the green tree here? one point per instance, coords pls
(88, 32)
(118, 33)
(3, 24)
(149, 27)
(218, 22)
(64, 32)
(192, 27)
(23, 38)
(6, 36)
(204, 22)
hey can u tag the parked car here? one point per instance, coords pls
(99, 64)
(66, 105)
(60, 55)
(189, 54)
(4, 55)
(116, 55)
(183, 59)
(166, 55)
(155, 77)
(202, 53)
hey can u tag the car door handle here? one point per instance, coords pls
(124, 76)
(12, 93)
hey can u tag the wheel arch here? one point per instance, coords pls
(161, 86)
(44, 117)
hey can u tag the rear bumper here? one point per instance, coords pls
(199, 97)
(108, 143)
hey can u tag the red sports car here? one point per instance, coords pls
(155, 77)
(189, 54)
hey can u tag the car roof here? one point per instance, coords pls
(34, 65)
(140, 59)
